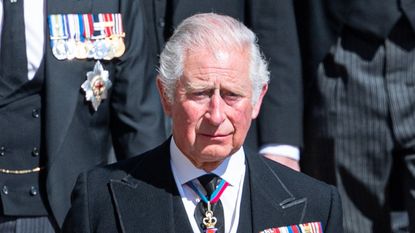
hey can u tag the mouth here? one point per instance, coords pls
(216, 136)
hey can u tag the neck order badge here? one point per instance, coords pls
(213, 196)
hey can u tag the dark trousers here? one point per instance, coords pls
(26, 225)
(361, 120)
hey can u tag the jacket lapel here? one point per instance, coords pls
(272, 203)
(245, 216)
(150, 196)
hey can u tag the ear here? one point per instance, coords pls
(164, 100)
(257, 105)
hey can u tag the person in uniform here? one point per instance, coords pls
(72, 86)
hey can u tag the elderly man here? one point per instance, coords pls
(212, 81)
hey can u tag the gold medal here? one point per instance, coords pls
(118, 46)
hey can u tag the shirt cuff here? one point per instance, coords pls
(288, 151)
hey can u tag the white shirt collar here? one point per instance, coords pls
(229, 170)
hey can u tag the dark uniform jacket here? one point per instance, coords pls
(140, 195)
(75, 136)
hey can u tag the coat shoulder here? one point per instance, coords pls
(298, 180)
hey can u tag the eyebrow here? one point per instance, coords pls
(190, 86)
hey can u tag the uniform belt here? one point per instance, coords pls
(21, 172)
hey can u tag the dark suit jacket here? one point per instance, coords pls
(140, 195)
(78, 138)
(274, 24)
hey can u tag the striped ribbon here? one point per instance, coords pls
(215, 196)
(312, 227)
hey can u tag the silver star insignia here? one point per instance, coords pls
(96, 86)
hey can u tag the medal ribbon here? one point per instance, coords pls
(108, 28)
(57, 27)
(98, 27)
(70, 25)
(215, 196)
(81, 28)
(88, 27)
(51, 30)
(313, 227)
(65, 26)
(119, 31)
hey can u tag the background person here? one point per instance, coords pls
(66, 98)
(359, 115)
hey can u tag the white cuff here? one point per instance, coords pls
(288, 151)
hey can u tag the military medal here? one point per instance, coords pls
(101, 49)
(59, 49)
(81, 36)
(71, 49)
(88, 33)
(209, 220)
(118, 46)
(81, 50)
(88, 36)
(312, 227)
(70, 32)
(108, 30)
(96, 86)
(118, 35)
(57, 34)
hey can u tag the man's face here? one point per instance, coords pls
(212, 109)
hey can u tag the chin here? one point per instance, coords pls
(216, 152)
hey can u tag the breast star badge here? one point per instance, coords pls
(96, 86)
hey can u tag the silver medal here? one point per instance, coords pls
(96, 86)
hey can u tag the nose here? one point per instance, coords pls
(216, 112)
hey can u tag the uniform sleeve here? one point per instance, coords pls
(136, 115)
(335, 222)
(280, 118)
(77, 220)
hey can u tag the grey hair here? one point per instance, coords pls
(214, 32)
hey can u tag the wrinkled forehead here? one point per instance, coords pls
(218, 50)
(207, 69)
(221, 82)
